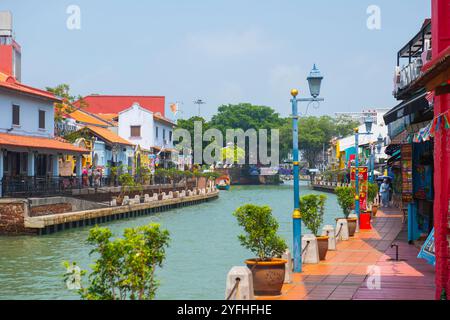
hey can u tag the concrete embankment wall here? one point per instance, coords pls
(45, 216)
(57, 205)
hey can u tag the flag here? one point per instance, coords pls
(174, 107)
(447, 119)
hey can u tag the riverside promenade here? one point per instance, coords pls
(344, 273)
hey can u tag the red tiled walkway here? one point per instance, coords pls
(344, 274)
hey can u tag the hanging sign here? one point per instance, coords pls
(407, 176)
(427, 251)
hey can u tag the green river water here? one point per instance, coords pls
(203, 247)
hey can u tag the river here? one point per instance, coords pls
(203, 247)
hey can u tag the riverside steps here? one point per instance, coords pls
(43, 225)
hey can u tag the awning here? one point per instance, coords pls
(39, 143)
(408, 107)
(394, 158)
(400, 138)
(392, 148)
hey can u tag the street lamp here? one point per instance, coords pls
(380, 141)
(314, 81)
(368, 121)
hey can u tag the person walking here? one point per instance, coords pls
(384, 191)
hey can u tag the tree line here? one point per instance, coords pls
(315, 133)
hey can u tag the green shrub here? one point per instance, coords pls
(346, 199)
(312, 208)
(125, 268)
(372, 192)
(261, 231)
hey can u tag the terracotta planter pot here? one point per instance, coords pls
(352, 222)
(322, 243)
(268, 276)
(374, 210)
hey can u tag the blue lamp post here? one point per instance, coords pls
(314, 81)
(368, 121)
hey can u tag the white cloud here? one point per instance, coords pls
(227, 43)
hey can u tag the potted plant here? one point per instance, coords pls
(371, 195)
(312, 207)
(346, 200)
(261, 238)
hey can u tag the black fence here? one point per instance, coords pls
(26, 187)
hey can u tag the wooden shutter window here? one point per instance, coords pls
(16, 115)
(41, 119)
(135, 131)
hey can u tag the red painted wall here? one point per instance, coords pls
(116, 104)
(441, 40)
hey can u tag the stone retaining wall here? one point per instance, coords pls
(50, 209)
(12, 217)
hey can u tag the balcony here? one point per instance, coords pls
(410, 60)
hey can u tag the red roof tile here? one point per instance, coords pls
(108, 135)
(13, 140)
(116, 104)
(10, 83)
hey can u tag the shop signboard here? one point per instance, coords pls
(363, 174)
(407, 175)
(423, 182)
(427, 251)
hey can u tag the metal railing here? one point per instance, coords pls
(236, 285)
(25, 187)
(330, 184)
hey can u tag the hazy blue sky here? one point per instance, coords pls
(223, 51)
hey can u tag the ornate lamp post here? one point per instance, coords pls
(314, 81)
(380, 141)
(368, 121)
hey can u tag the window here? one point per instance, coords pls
(41, 119)
(135, 131)
(164, 134)
(157, 132)
(170, 136)
(16, 115)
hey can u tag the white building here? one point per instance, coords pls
(150, 131)
(29, 152)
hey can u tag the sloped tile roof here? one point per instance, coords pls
(85, 117)
(13, 140)
(108, 135)
(8, 82)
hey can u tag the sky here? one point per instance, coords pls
(220, 51)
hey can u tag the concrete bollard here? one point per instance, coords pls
(288, 273)
(342, 230)
(137, 200)
(329, 231)
(113, 203)
(310, 249)
(353, 215)
(244, 290)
